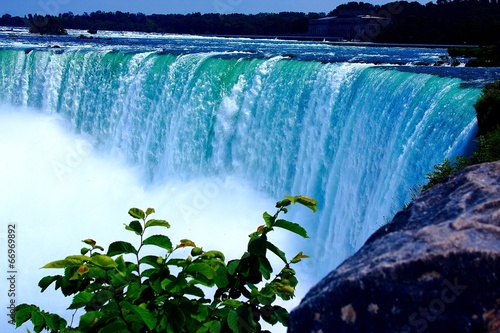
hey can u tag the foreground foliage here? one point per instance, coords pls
(167, 293)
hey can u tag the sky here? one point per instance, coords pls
(54, 7)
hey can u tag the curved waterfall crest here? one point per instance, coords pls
(354, 136)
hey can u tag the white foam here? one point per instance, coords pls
(58, 190)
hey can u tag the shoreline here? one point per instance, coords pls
(303, 38)
(335, 41)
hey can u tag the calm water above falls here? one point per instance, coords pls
(212, 131)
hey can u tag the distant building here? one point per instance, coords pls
(351, 25)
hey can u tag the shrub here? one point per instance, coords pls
(489, 150)
(45, 25)
(443, 170)
(488, 137)
(488, 108)
(166, 293)
(487, 56)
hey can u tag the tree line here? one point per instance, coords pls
(285, 23)
(444, 22)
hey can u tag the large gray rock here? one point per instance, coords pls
(434, 268)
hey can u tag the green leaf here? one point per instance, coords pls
(267, 295)
(213, 254)
(96, 273)
(291, 226)
(269, 219)
(90, 242)
(232, 303)
(151, 260)
(137, 213)
(37, 318)
(46, 281)
(101, 297)
(284, 290)
(246, 320)
(63, 263)
(159, 240)
(267, 314)
(196, 251)
(193, 290)
(103, 261)
(257, 245)
(177, 262)
(265, 267)
(215, 326)
(157, 223)
(79, 257)
(201, 268)
(176, 317)
(221, 279)
(299, 257)
(283, 203)
(305, 201)
(281, 314)
(135, 226)
(232, 266)
(89, 319)
(120, 248)
(23, 313)
(202, 329)
(232, 320)
(150, 211)
(271, 247)
(185, 243)
(134, 288)
(84, 250)
(81, 299)
(148, 272)
(117, 326)
(120, 264)
(147, 317)
(54, 322)
(201, 313)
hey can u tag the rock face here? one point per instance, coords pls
(434, 268)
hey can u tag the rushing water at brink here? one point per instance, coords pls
(211, 132)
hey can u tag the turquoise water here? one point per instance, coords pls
(212, 137)
(354, 136)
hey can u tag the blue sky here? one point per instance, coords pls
(23, 7)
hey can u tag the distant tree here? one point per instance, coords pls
(447, 22)
(352, 6)
(11, 21)
(46, 25)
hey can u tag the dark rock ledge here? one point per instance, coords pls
(434, 268)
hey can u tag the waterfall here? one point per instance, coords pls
(354, 136)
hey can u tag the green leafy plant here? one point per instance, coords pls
(488, 137)
(443, 170)
(167, 292)
(488, 108)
